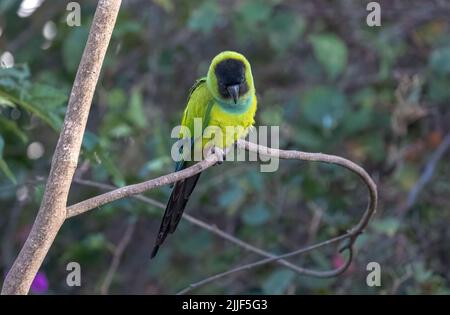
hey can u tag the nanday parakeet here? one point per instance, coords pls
(225, 97)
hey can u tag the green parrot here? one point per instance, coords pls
(224, 98)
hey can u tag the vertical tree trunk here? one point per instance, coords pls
(52, 212)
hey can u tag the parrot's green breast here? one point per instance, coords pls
(202, 104)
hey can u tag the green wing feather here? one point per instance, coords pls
(195, 86)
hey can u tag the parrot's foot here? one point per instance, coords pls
(219, 153)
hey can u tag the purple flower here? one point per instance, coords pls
(40, 283)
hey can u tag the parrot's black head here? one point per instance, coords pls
(230, 74)
(230, 80)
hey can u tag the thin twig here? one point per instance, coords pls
(427, 174)
(117, 256)
(315, 222)
(399, 281)
(320, 274)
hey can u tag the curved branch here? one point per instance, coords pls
(212, 159)
(351, 235)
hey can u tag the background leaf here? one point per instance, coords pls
(73, 47)
(256, 215)
(205, 17)
(331, 52)
(3, 166)
(324, 107)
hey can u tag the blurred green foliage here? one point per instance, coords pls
(379, 96)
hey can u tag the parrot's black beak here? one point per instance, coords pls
(233, 90)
